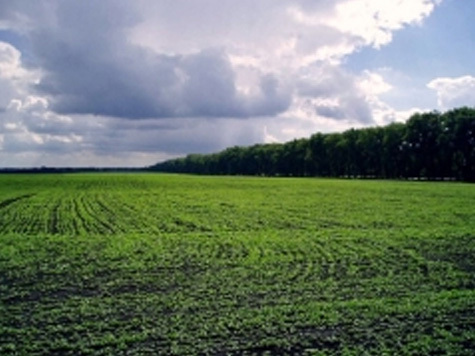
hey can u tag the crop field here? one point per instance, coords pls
(150, 264)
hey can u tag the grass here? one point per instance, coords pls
(147, 264)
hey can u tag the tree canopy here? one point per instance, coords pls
(429, 145)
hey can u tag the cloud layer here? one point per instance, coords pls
(454, 92)
(145, 80)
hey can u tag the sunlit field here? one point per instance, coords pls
(147, 264)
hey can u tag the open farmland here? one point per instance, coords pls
(143, 264)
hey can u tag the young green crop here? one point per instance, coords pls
(147, 264)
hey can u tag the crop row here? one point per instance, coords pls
(84, 205)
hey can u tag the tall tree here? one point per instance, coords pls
(429, 145)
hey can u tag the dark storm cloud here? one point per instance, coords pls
(351, 108)
(333, 82)
(190, 136)
(90, 68)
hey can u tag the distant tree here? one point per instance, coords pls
(429, 145)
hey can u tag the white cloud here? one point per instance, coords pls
(30, 126)
(454, 92)
(14, 78)
(26, 123)
(373, 84)
(372, 22)
(10, 66)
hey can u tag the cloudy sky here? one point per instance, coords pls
(130, 83)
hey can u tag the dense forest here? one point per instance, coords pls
(428, 146)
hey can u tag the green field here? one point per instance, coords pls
(144, 264)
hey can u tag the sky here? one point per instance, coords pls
(130, 83)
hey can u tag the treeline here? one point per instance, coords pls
(61, 170)
(428, 146)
